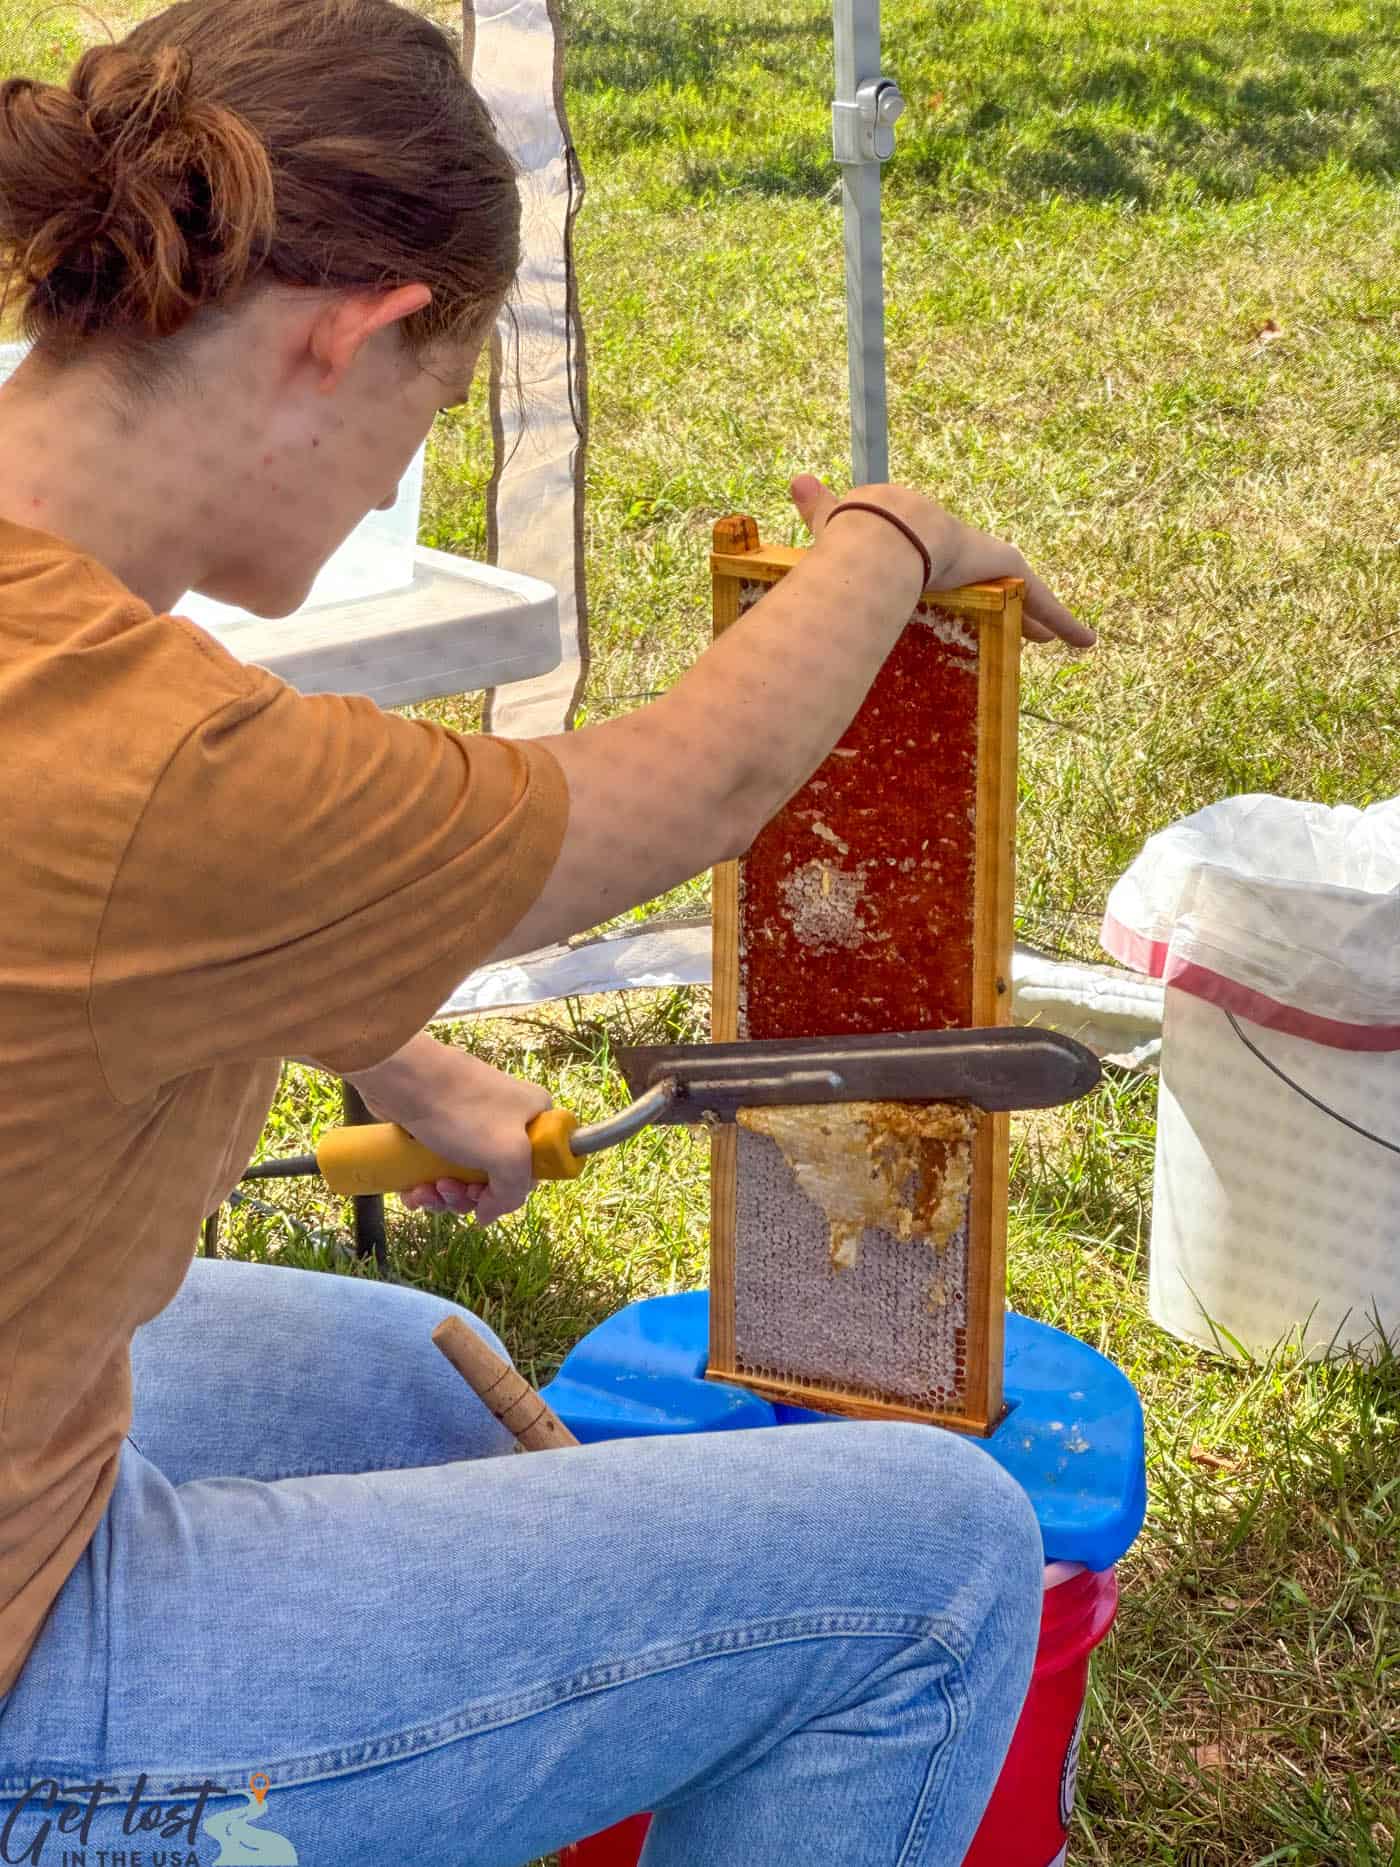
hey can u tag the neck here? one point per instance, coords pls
(126, 489)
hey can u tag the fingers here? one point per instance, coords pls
(814, 501)
(442, 1196)
(508, 1188)
(1045, 618)
(503, 1193)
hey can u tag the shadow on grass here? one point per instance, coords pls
(675, 50)
(1193, 112)
(1003, 112)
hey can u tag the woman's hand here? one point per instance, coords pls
(959, 554)
(464, 1110)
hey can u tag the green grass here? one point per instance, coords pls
(1144, 317)
(38, 41)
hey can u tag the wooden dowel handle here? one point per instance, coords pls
(500, 1389)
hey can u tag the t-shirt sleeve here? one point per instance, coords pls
(312, 877)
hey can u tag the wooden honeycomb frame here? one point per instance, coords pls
(978, 995)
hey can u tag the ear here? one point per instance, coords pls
(344, 327)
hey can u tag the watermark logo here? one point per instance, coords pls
(50, 1826)
(240, 1842)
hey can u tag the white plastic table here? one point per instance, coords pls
(455, 627)
(388, 617)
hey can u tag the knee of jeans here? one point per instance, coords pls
(449, 1421)
(401, 1321)
(965, 1481)
(400, 1310)
(938, 1499)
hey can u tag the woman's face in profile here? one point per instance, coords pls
(321, 460)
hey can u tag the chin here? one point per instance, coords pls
(272, 608)
(261, 597)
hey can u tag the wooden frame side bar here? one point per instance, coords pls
(998, 701)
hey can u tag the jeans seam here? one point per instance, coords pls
(954, 1691)
(417, 1740)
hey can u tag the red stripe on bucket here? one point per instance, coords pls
(1027, 1820)
(1155, 959)
(1273, 1015)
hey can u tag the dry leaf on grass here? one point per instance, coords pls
(1201, 1455)
(1266, 333)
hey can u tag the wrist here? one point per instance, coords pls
(873, 549)
(410, 1085)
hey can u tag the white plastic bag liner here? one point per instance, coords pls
(1284, 913)
(1276, 1209)
(1116, 1014)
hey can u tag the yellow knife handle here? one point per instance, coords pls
(381, 1157)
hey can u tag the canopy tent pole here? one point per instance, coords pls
(863, 114)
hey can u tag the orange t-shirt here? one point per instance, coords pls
(204, 872)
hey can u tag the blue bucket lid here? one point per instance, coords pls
(1072, 1437)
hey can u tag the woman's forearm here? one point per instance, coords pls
(688, 781)
(777, 690)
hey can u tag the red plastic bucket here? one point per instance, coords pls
(614, 1847)
(1027, 1819)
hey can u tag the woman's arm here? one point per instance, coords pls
(667, 791)
(464, 1110)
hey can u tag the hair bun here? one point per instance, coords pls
(130, 103)
(128, 198)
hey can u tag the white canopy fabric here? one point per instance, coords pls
(513, 53)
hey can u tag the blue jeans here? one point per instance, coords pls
(322, 1565)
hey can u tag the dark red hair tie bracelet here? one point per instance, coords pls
(861, 505)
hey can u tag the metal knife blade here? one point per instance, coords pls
(998, 1068)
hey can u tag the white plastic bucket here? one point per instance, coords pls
(1275, 927)
(1270, 1218)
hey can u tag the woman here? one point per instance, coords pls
(258, 245)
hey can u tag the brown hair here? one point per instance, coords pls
(223, 143)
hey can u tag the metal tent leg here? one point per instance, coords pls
(863, 115)
(370, 1236)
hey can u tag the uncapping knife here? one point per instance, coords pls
(1003, 1068)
